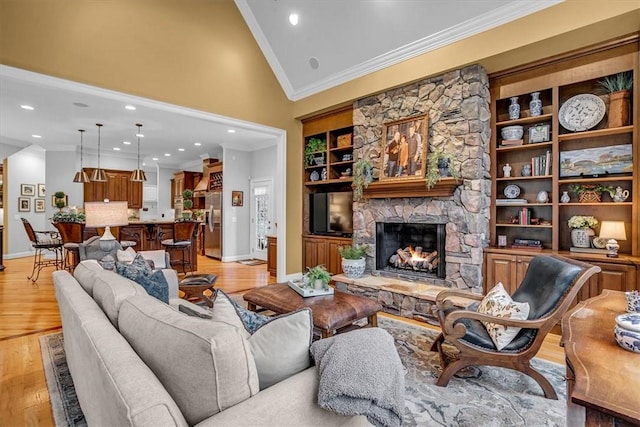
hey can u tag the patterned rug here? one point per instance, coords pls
(251, 262)
(484, 396)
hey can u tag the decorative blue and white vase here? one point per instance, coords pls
(353, 268)
(514, 108)
(581, 237)
(535, 106)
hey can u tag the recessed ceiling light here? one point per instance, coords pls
(293, 19)
(154, 158)
(80, 104)
(130, 107)
(126, 142)
(314, 62)
(167, 154)
(231, 131)
(27, 107)
(139, 135)
(36, 136)
(197, 144)
(144, 164)
(116, 148)
(180, 149)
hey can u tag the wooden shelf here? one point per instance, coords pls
(329, 181)
(595, 133)
(410, 188)
(525, 225)
(526, 120)
(532, 146)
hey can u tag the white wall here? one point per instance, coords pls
(61, 167)
(27, 166)
(236, 219)
(165, 175)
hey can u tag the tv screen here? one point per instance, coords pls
(331, 213)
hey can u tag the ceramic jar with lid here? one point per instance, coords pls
(627, 331)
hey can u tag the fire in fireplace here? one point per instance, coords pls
(412, 250)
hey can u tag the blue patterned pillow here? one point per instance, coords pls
(140, 272)
(250, 319)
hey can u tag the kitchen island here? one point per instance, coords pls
(148, 236)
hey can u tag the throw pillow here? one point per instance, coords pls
(140, 272)
(127, 256)
(192, 312)
(158, 258)
(498, 303)
(280, 344)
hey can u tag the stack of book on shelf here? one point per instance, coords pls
(510, 201)
(541, 165)
(524, 216)
(529, 244)
(511, 142)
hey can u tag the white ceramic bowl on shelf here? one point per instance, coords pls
(627, 331)
(511, 133)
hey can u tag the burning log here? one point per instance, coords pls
(414, 259)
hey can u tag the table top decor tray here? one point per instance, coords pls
(304, 291)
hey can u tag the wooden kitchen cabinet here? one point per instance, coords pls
(508, 268)
(135, 195)
(186, 180)
(272, 255)
(118, 187)
(323, 250)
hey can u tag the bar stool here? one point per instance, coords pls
(71, 234)
(43, 241)
(182, 234)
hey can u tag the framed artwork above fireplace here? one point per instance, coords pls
(405, 149)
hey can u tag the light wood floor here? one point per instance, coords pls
(29, 310)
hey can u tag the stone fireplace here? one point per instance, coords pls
(413, 251)
(457, 104)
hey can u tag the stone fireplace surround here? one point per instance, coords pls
(457, 104)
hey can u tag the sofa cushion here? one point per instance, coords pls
(206, 366)
(280, 344)
(85, 273)
(110, 290)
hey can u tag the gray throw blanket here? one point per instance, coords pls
(361, 374)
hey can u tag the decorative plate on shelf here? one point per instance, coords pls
(581, 112)
(512, 191)
(599, 242)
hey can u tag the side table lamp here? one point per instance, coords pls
(613, 231)
(106, 214)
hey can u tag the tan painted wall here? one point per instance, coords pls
(193, 53)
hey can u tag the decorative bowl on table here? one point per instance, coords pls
(512, 133)
(627, 331)
(633, 301)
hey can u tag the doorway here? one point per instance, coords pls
(261, 215)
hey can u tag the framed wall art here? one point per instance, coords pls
(24, 204)
(539, 133)
(42, 192)
(236, 198)
(595, 162)
(27, 190)
(39, 205)
(405, 149)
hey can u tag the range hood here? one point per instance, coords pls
(208, 166)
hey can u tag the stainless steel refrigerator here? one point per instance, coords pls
(213, 230)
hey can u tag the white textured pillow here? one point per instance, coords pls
(498, 303)
(158, 258)
(127, 256)
(280, 347)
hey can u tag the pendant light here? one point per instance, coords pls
(81, 176)
(98, 174)
(138, 175)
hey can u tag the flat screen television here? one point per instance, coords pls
(331, 213)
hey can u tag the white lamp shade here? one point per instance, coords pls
(103, 214)
(613, 230)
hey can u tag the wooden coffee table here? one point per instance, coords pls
(331, 313)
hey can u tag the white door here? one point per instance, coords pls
(261, 216)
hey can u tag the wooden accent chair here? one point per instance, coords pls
(43, 241)
(550, 287)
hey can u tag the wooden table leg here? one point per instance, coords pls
(373, 320)
(251, 306)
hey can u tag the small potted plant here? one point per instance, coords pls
(187, 203)
(618, 87)
(353, 260)
(362, 177)
(60, 201)
(582, 229)
(314, 151)
(440, 165)
(318, 277)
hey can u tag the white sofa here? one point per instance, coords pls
(203, 375)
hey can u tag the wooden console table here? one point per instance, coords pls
(603, 379)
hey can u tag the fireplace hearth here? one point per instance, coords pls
(415, 251)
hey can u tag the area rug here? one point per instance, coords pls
(479, 396)
(251, 262)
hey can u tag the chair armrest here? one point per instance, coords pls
(459, 330)
(443, 295)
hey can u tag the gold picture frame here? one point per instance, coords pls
(236, 198)
(404, 154)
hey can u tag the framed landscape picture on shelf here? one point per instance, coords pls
(600, 161)
(405, 149)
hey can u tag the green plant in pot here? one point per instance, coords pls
(440, 164)
(318, 277)
(362, 177)
(187, 203)
(315, 147)
(353, 260)
(59, 198)
(618, 86)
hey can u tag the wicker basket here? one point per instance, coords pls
(344, 140)
(589, 197)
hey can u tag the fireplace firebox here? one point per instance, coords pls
(411, 250)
